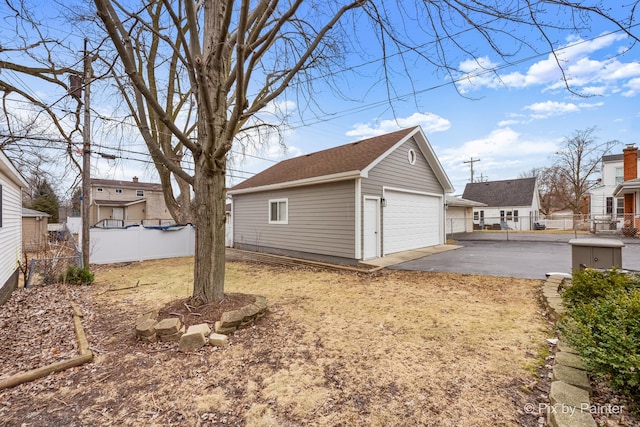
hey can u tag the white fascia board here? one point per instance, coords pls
(427, 152)
(342, 176)
(8, 168)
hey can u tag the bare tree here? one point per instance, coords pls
(576, 163)
(552, 186)
(197, 74)
(240, 56)
(34, 132)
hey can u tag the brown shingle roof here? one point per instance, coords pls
(510, 192)
(354, 156)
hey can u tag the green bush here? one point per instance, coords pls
(590, 284)
(603, 325)
(77, 276)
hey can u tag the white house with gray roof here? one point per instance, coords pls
(512, 204)
(354, 202)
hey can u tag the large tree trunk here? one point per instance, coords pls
(210, 200)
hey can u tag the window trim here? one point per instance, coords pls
(411, 156)
(278, 220)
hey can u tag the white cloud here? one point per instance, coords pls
(633, 87)
(505, 123)
(430, 123)
(592, 76)
(541, 110)
(503, 153)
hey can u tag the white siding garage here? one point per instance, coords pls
(411, 221)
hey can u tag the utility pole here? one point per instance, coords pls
(471, 162)
(86, 159)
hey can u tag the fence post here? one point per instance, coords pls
(32, 267)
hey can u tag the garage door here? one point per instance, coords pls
(411, 221)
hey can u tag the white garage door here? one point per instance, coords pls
(411, 221)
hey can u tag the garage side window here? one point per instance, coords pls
(279, 211)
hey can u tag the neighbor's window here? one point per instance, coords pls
(476, 215)
(515, 216)
(118, 190)
(140, 193)
(501, 215)
(509, 215)
(609, 205)
(99, 190)
(619, 175)
(278, 211)
(620, 206)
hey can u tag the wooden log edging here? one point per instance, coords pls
(84, 355)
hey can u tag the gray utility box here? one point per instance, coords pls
(596, 253)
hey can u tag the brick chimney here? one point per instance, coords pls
(135, 178)
(630, 156)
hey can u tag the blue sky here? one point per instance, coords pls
(512, 121)
(513, 117)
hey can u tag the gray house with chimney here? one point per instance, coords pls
(354, 202)
(512, 204)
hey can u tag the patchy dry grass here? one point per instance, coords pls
(398, 348)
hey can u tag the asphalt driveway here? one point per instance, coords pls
(526, 255)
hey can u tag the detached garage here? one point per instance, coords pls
(354, 202)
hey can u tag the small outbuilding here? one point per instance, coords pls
(354, 202)
(35, 230)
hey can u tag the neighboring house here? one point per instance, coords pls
(460, 214)
(354, 202)
(629, 188)
(119, 203)
(11, 185)
(35, 230)
(606, 209)
(512, 204)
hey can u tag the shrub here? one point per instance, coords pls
(77, 276)
(603, 325)
(590, 284)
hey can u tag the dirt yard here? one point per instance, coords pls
(335, 349)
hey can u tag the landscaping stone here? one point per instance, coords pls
(261, 302)
(225, 330)
(232, 318)
(172, 337)
(567, 416)
(564, 347)
(567, 394)
(572, 376)
(218, 340)
(146, 328)
(150, 338)
(191, 341)
(168, 326)
(151, 314)
(569, 359)
(250, 312)
(201, 328)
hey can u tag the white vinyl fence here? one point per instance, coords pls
(140, 244)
